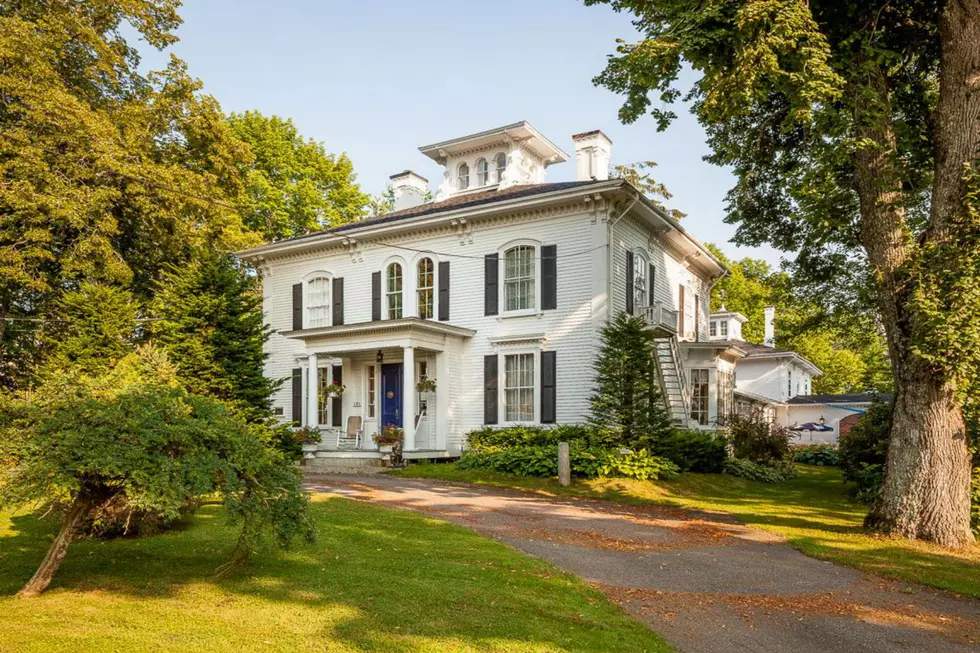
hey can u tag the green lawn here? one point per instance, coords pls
(376, 580)
(813, 513)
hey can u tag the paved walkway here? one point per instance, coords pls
(705, 583)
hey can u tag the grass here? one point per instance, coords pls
(375, 580)
(813, 512)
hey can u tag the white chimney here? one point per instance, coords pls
(410, 189)
(770, 335)
(592, 153)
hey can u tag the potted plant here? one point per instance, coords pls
(392, 436)
(426, 388)
(334, 390)
(309, 437)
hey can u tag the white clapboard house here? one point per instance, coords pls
(496, 291)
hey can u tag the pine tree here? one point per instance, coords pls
(210, 320)
(627, 405)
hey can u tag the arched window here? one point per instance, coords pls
(482, 172)
(426, 285)
(519, 269)
(393, 290)
(640, 266)
(318, 302)
(463, 177)
(501, 162)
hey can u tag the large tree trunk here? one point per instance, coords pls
(927, 475)
(79, 510)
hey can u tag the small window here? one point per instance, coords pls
(640, 267)
(394, 291)
(426, 283)
(501, 164)
(699, 396)
(789, 384)
(519, 268)
(519, 387)
(712, 328)
(724, 328)
(318, 302)
(463, 177)
(483, 172)
(372, 391)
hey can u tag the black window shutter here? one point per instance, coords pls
(297, 306)
(490, 389)
(629, 282)
(338, 301)
(443, 291)
(549, 277)
(297, 396)
(337, 403)
(376, 296)
(548, 395)
(491, 266)
(653, 282)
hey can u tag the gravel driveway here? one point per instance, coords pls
(706, 583)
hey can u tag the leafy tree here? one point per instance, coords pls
(853, 130)
(627, 405)
(384, 203)
(292, 185)
(79, 443)
(208, 316)
(637, 175)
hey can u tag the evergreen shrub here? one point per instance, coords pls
(692, 450)
(588, 462)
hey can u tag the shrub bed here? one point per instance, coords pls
(589, 462)
(768, 471)
(491, 439)
(693, 451)
(824, 455)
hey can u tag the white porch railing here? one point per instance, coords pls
(659, 317)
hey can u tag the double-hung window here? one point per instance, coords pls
(425, 286)
(462, 177)
(519, 387)
(482, 172)
(393, 290)
(501, 163)
(712, 328)
(724, 328)
(318, 302)
(519, 281)
(699, 396)
(640, 267)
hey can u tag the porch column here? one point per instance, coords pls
(312, 403)
(409, 402)
(440, 413)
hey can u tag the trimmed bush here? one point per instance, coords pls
(491, 439)
(823, 455)
(755, 439)
(693, 450)
(866, 444)
(590, 462)
(770, 471)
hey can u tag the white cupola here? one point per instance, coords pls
(726, 325)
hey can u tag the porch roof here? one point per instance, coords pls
(404, 332)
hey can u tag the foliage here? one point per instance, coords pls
(79, 442)
(764, 471)
(209, 318)
(307, 434)
(637, 175)
(426, 385)
(590, 462)
(693, 450)
(492, 438)
(975, 501)
(292, 185)
(390, 435)
(627, 405)
(823, 455)
(866, 443)
(90, 329)
(867, 482)
(757, 440)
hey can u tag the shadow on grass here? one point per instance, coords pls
(395, 577)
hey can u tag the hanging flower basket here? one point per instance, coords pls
(334, 390)
(426, 385)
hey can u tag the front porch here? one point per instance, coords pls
(379, 365)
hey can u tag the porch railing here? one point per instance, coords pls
(660, 317)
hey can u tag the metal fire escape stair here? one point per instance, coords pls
(672, 380)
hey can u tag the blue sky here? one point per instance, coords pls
(376, 79)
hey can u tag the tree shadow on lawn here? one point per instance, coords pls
(405, 577)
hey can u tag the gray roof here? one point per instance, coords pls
(853, 398)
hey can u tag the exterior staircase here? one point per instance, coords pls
(672, 380)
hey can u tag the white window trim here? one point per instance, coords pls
(498, 172)
(501, 280)
(459, 176)
(367, 392)
(307, 305)
(407, 285)
(415, 285)
(501, 384)
(641, 299)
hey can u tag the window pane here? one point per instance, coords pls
(318, 302)
(501, 163)
(371, 391)
(699, 396)
(519, 387)
(519, 265)
(394, 291)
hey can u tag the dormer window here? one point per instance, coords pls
(393, 290)
(501, 162)
(462, 177)
(482, 172)
(724, 328)
(318, 302)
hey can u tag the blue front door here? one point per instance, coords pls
(391, 394)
